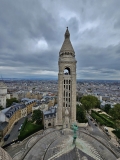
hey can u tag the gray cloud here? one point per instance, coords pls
(32, 32)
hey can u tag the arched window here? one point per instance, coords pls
(67, 71)
(49, 124)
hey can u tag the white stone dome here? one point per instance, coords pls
(2, 84)
(4, 155)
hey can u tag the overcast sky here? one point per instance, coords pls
(32, 33)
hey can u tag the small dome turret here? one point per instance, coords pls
(2, 84)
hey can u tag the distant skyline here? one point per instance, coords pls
(32, 33)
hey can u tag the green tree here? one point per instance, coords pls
(9, 102)
(90, 102)
(107, 108)
(80, 114)
(78, 98)
(1, 108)
(37, 116)
(115, 112)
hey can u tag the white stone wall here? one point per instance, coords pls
(3, 94)
(8, 96)
(44, 107)
(70, 62)
(66, 91)
(48, 121)
(3, 101)
(35, 108)
(15, 95)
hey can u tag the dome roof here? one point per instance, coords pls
(62, 148)
(2, 84)
(4, 155)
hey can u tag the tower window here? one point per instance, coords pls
(66, 94)
(49, 124)
(67, 71)
(69, 87)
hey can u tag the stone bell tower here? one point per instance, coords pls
(66, 111)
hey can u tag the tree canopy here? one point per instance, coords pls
(115, 112)
(90, 102)
(37, 116)
(1, 108)
(81, 114)
(9, 102)
(107, 108)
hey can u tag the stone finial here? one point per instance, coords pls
(67, 34)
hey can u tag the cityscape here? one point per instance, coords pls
(60, 80)
(42, 94)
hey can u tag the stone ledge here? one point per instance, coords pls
(82, 124)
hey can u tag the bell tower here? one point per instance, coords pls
(66, 111)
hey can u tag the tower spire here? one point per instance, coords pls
(66, 110)
(67, 46)
(67, 34)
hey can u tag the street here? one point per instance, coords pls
(14, 132)
(96, 131)
(99, 134)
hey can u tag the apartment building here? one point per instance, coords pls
(12, 114)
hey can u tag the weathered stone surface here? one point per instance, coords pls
(66, 84)
(4, 155)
